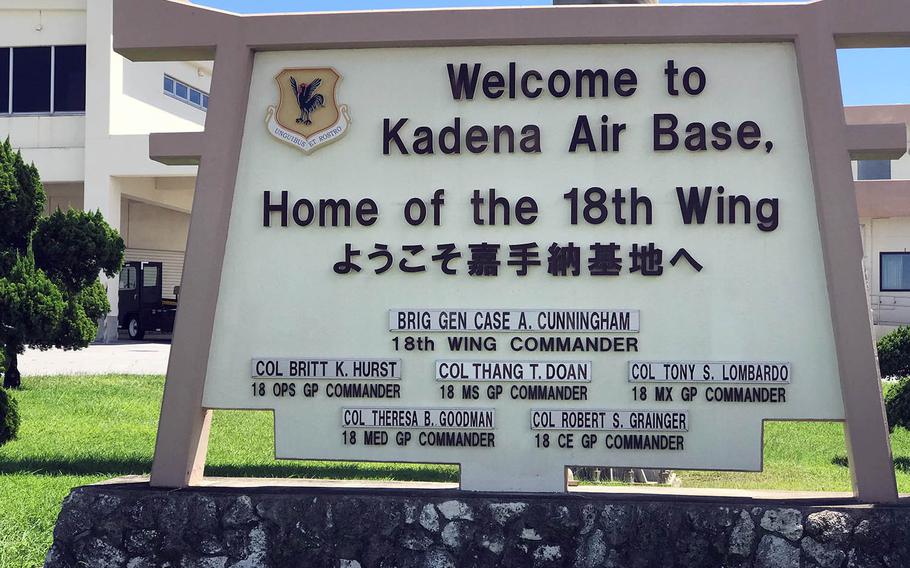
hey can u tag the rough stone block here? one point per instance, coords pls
(785, 522)
(135, 526)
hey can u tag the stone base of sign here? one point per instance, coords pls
(234, 524)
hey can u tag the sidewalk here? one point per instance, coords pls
(123, 357)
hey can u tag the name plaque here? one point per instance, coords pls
(709, 371)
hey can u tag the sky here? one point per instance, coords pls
(868, 76)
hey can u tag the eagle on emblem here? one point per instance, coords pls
(307, 99)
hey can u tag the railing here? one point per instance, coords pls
(890, 309)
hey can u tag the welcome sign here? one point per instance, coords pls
(528, 259)
(519, 258)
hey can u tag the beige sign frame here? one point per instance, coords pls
(163, 30)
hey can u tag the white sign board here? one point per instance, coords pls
(605, 255)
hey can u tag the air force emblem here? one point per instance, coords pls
(308, 114)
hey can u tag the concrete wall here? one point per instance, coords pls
(900, 169)
(146, 226)
(42, 22)
(885, 235)
(54, 143)
(63, 196)
(170, 193)
(141, 106)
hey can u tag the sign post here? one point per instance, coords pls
(524, 239)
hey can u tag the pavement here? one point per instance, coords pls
(124, 357)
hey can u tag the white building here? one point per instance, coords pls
(83, 114)
(883, 199)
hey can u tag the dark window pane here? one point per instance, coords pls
(205, 101)
(168, 84)
(181, 90)
(31, 79)
(873, 169)
(4, 80)
(195, 97)
(128, 278)
(150, 276)
(69, 78)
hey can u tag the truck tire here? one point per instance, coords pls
(134, 329)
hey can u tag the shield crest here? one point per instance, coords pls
(308, 114)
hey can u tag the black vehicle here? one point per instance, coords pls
(141, 306)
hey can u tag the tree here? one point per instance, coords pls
(9, 418)
(894, 353)
(50, 291)
(897, 404)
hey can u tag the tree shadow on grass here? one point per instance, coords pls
(901, 463)
(80, 466)
(285, 469)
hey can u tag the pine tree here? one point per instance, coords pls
(50, 291)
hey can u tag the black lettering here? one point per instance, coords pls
(591, 77)
(389, 136)
(748, 135)
(526, 210)
(694, 204)
(268, 208)
(722, 139)
(476, 139)
(530, 139)
(696, 137)
(465, 83)
(528, 92)
(455, 132)
(767, 221)
(582, 135)
(625, 83)
(498, 132)
(493, 84)
(566, 83)
(660, 131)
(310, 212)
(334, 206)
(367, 212)
(423, 140)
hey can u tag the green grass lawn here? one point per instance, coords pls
(78, 430)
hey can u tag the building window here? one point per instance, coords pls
(190, 95)
(31, 80)
(69, 78)
(873, 169)
(42, 80)
(895, 271)
(4, 80)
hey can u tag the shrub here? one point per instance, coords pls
(9, 417)
(894, 353)
(50, 294)
(897, 404)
